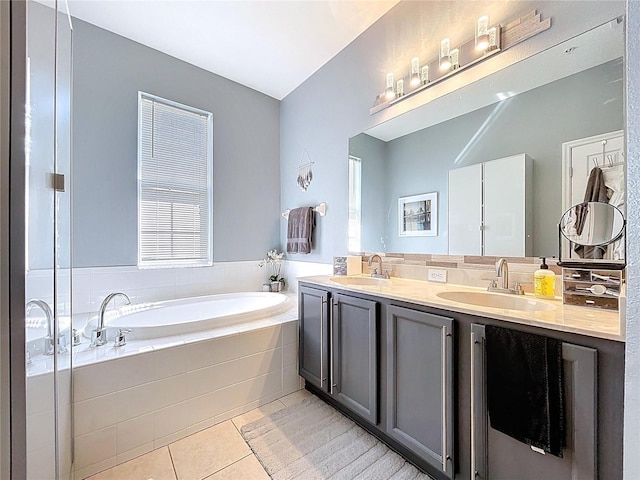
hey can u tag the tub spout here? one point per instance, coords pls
(99, 334)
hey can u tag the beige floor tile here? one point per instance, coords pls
(295, 397)
(246, 469)
(257, 413)
(154, 465)
(208, 451)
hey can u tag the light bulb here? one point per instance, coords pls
(493, 38)
(400, 88)
(445, 61)
(424, 75)
(454, 55)
(415, 71)
(482, 33)
(389, 92)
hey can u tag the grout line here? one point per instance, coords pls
(227, 466)
(175, 472)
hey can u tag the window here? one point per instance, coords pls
(355, 201)
(174, 183)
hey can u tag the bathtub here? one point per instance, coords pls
(187, 315)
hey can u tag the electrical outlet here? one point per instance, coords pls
(437, 275)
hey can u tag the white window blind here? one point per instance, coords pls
(174, 183)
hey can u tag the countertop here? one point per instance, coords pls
(593, 322)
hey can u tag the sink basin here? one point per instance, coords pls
(371, 281)
(493, 300)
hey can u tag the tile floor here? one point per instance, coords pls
(217, 453)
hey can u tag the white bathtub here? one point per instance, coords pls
(187, 315)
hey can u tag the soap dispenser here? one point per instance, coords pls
(544, 281)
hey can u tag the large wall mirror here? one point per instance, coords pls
(532, 112)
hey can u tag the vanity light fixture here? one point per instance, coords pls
(389, 92)
(415, 71)
(445, 59)
(424, 75)
(482, 34)
(486, 42)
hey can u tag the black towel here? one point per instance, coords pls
(525, 391)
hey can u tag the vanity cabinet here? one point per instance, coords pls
(497, 456)
(490, 208)
(313, 312)
(354, 355)
(420, 384)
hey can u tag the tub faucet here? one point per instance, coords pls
(49, 339)
(99, 334)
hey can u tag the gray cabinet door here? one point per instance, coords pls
(497, 456)
(354, 367)
(313, 312)
(420, 384)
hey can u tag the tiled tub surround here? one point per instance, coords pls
(564, 318)
(143, 397)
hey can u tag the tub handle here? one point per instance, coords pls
(121, 340)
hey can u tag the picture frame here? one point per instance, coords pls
(418, 215)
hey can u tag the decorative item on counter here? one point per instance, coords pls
(544, 281)
(274, 262)
(596, 288)
(305, 175)
(349, 265)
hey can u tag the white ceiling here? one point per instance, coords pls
(269, 45)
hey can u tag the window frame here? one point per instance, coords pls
(157, 264)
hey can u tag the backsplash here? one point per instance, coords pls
(470, 270)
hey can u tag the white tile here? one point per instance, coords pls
(133, 370)
(135, 401)
(84, 472)
(170, 361)
(200, 408)
(39, 393)
(169, 420)
(290, 333)
(174, 437)
(184, 276)
(112, 282)
(41, 463)
(291, 380)
(235, 346)
(171, 390)
(201, 354)
(202, 381)
(251, 366)
(203, 425)
(94, 414)
(94, 380)
(136, 452)
(290, 355)
(246, 392)
(40, 431)
(95, 447)
(134, 433)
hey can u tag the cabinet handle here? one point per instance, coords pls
(474, 342)
(322, 378)
(331, 353)
(445, 453)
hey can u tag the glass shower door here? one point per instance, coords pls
(47, 223)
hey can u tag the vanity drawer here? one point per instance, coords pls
(591, 287)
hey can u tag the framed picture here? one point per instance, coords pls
(418, 215)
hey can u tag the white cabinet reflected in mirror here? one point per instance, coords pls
(535, 106)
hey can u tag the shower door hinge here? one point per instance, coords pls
(57, 182)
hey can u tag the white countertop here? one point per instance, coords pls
(593, 322)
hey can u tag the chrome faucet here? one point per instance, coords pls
(502, 271)
(377, 272)
(49, 339)
(99, 334)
